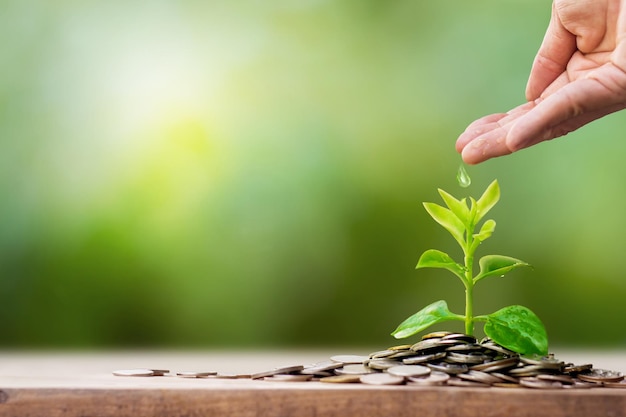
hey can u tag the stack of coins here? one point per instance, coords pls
(456, 359)
(439, 359)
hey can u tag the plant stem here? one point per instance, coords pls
(469, 307)
(469, 282)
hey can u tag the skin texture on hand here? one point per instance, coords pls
(578, 75)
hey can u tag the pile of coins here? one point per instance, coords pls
(441, 358)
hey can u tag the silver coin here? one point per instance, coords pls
(497, 365)
(506, 385)
(469, 358)
(349, 359)
(621, 384)
(429, 346)
(505, 377)
(544, 363)
(402, 354)
(195, 374)
(478, 376)
(465, 347)
(409, 370)
(527, 370)
(382, 354)
(540, 384)
(289, 378)
(276, 371)
(498, 349)
(321, 367)
(434, 378)
(575, 369)
(341, 379)
(449, 368)
(354, 369)
(600, 375)
(134, 372)
(458, 382)
(382, 379)
(160, 372)
(223, 375)
(416, 360)
(459, 337)
(382, 364)
(563, 379)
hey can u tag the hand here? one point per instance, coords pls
(579, 75)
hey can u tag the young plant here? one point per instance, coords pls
(515, 327)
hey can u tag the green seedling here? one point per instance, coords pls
(515, 327)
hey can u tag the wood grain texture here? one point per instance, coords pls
(83, 385)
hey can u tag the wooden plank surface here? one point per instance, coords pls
(82, 384)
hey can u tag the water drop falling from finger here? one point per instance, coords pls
(462, 177)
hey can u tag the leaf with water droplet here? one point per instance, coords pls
(463, 177)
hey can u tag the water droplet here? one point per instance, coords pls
(462, 177)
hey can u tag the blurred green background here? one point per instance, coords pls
(251, 174)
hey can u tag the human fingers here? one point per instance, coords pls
(556, 49)
(569, 108)
(477, 128)
(490, 141)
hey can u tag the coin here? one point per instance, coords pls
(160, 372)
(621, 384)
(289, 378)
(382, 379)
(601, 375)
(134, 372)
(409, 370)
(349, 359)
(540, 384)
(195, 374)
(341, 379)
(415, 360)
(321, 367)
(497, 365)
(458, 382)
(434, 378)
(459, 337)
(575, 369)
(354, 369)
(276, 371)
(563, 379)
(469, 358)
(382, 364)
(449, 368)
(478, 376)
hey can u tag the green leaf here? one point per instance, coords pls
(489, 199)
(519, 329)
(434, 258)
(458, 207)
(426, 317)
(447, 219)
(497, 265)
(486, 230)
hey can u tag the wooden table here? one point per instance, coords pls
(82, 384)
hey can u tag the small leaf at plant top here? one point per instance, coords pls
(426, 317)
(519, 329)
(486, 230)
(491, 265)
(447, 219)
(458, 207)
(489, 199)
(434, 258)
